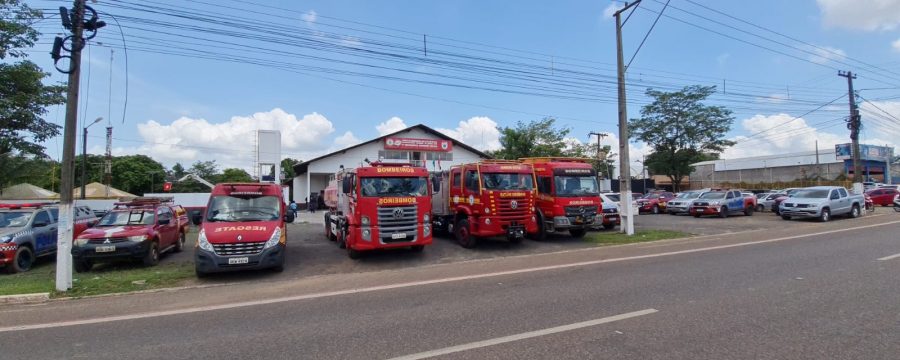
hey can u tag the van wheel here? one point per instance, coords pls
(83, 265)
(463, 235)
(22, 260)
(179, 245)
(200, 274)
(152, 256)
(577, 233)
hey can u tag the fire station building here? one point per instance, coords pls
(419, 144)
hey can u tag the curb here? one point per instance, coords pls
(35, 298)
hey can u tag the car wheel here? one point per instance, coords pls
(854, 212)
(23, 259)
(655, 210)
(83, 265)
(723, 212)
(152, 256)
(696, 215)
(760, 208)
(785, 217)
(577, 233)
(463, 235)
(609, 226)
(825, 216)
(179, 245)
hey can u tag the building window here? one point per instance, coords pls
(439, 156)
(393, 155)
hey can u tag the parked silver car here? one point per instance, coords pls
(681, 204)
(822, 202)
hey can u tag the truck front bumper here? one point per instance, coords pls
(489, 226)
(678, 209)
(121, 250)
(705, 210)
(377, 239)
(210, 262)
(800, 212)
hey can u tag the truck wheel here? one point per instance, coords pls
(463, 235)
(723, 212)
(417, 248)
(22, 260)
(655, 210)
(825, 216)
(353, 254)
(152, 256)
(83, 265)
(541, 234)
(609, 226)
(854, 212)
(179, 245)
(748, 211)
(577, 233)
(785, 217)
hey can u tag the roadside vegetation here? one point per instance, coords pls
(617, 238)
(104, 279)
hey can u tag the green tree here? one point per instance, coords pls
(287, 167)
(605, 165)
(94, 168)
(234, 175)
(137, 174)
(36, 170)
(178, 171)
(534, 139)
(208, 170)
(681, 130)
(24, 97)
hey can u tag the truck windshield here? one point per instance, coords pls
(507, 181)
(394, 186)
(576, 185)
(713, 195)
(243, 208)
(133, 217)
(14, 219)
(811, 194)
(688, 195)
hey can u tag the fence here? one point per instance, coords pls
(695, 184)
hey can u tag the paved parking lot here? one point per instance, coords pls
(310, 254)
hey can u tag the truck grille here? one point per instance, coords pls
(508, 214)
(112, 240)
(249, 248)
(701, 204)
(397, 219)
(581, 211)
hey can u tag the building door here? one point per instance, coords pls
(417, 158)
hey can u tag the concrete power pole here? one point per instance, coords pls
(624, 160)
(854, 124)
(600, 160)
(66, 187)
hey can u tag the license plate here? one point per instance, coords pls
(397, 236)
(103, 249)
(238, 260)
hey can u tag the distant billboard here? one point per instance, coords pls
(393, 143)
(866, 152)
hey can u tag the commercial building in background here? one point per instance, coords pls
(419, 145)
(807, 166)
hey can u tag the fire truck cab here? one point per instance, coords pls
(485, 199)
(568, 196)
(380, 206)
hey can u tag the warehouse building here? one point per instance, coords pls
(419, 144)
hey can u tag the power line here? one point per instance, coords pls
(648, 31)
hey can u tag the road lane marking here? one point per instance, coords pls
(892, 257)
(412, 284)
(523, 336)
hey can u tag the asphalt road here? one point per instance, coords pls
(809, 292)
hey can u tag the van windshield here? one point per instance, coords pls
(243, 208)
(394, 186)
(507, 181)
(576, 186)
(133, 217)
(14, 219)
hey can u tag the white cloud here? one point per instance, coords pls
(869, 15)
(479, 132)
(825, 54)
(346, 140)
(795, 135)
(310, 17)
(392, 125)
(896, 45)
(610, 10)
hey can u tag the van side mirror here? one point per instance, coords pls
(435, 184)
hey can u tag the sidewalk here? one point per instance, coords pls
(310, 218)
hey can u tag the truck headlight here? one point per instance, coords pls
(365, 220)
(426, 218)
(274, 239)
(137, 238)
(203, 242)
(487, 210)
(77, 242)
(426, 230)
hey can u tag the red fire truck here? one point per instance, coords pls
(568, 197)
(380, 206)
(485, 199)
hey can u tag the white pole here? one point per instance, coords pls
(64, 248)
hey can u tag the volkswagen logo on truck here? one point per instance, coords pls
(514, 204)
(398, 213)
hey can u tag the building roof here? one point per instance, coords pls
(26, 191)
(301, 168)
(97, 190)
(826, 156)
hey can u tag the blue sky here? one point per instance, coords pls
(199, 107)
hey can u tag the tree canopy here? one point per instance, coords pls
(681, 130)
(538, 138)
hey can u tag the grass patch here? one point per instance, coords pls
(103, 279)
(617, 238)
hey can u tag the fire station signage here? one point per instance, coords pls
(393, 143)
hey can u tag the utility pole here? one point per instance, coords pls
(84, 156)
(854, 124)
(600, 160)
(66, 225)
(624, 160)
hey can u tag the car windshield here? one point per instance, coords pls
(613, 197)
(576, 185)
(688, 195)
(713, 195)
(507, 181)
(651, 196)
(394, 186)
(243, 208)
(129, 217)
(14, 219)
(811, 194)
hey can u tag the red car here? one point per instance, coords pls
(654, 202)
(883, 196)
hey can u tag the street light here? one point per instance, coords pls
(84, 156)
